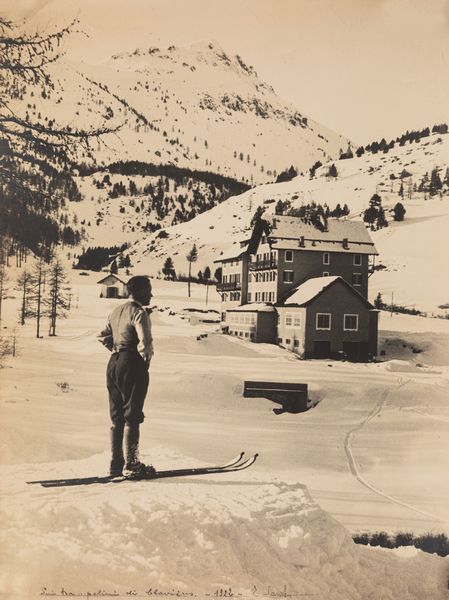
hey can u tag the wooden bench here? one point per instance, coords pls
(292, 396)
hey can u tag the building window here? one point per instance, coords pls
(288, 341)
(288, 277)
(351, 322)
(325, 273)
(357, 260)
(323, 321)
(296, 343)
(292, 320)
(289, 256)
(356, 279)
(246, 334)
(249, 296)
(279, 340)
(223, 316)
(326, 258)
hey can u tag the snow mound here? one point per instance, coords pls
(190, 536)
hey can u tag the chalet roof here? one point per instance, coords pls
(234, 251)
(337, 230)
(324, 246)
(252, 307)
(111, 278)
(309, 290)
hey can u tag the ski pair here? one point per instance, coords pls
(237, 464)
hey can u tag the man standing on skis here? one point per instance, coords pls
(128, 336)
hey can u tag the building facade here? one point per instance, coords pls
(112, 287)
(283, 255)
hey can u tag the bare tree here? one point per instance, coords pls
(4, 278)
(23, 285)
(36, 158)
(36, 307)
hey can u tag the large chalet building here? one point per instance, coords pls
(303, 287)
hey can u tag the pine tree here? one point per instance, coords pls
(58, 301)
(378, 303)
(399, 212)
(257, 215)
(169, 269)
(332, 171)
(435, 182)
(192, 256)
(381, 220)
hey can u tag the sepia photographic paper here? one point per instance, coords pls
(224, 299)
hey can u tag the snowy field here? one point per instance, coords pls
(373, 454)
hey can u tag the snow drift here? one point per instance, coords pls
(218, 535)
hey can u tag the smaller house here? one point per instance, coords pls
(325, 316)
(112, 287)
(254, 322)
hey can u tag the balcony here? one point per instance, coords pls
(232, 286)
(259, 265)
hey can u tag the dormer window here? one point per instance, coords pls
(326, 258)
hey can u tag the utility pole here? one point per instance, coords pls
(391, 308)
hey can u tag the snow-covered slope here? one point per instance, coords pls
(259, 532)
(182, 538)
(193, 106)
(413, 251)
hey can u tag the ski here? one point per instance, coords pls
(237, 464)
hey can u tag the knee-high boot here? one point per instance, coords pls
(132, 435)
(117, 458)
(134, 469)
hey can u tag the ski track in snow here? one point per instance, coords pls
(353, 464)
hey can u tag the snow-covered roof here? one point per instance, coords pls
(252, 307)
(324, 246)
(111, 278)
(235, 251)
(337, 230)
(311, 288)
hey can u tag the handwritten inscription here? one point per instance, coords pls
(220, 592)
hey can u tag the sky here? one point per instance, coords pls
(365, 68)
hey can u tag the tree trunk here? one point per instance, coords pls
(188, 283)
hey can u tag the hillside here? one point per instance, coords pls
(413, 271)
(193, 106)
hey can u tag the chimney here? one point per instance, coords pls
(301, 242)
(345, 243)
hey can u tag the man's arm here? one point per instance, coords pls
(142, 325)
(105, 336)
